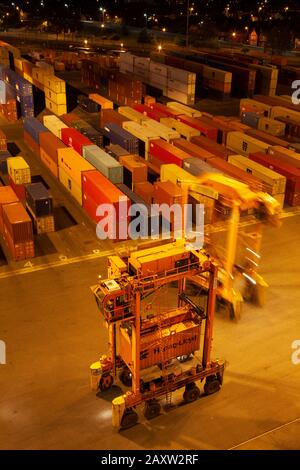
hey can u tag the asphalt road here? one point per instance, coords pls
(53, 332)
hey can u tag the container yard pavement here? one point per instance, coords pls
(53, 332)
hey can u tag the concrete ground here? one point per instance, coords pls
(53, 332)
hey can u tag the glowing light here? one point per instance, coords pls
(159, 47)
(249, 278)
(233, 34)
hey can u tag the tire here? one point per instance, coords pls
(106, 382)
(126, 377)
(191, 393)
(211, 386)
(152, 409)
(129, 419)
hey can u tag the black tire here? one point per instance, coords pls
(126, 377)
(106, 382)
(152, 409)
(191, 393)
(211, 386)
(129, 419)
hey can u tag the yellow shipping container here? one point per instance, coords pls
(18, 170)
(183, 129)
(271, 126)
(279, 111)
(73, 164)
(275, 183)
(102, 101)
(70, 185)
(18, 63)
(145, 135)
(280, 198)
(164, 132)
(184, 109)
(54, 83)
(58, 109)
(57, 98)
(245, 144)
(132, 114)
(246, 103)
(28, 77)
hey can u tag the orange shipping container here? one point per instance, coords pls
(50, 144)
(145, 191)
(192, 149)
(17, 223)
(7, 196)
(163, 345)
(49, 162)
(166, 192)
(135, 170)
(103, 102)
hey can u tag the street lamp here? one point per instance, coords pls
(159, 47)
(103, 14)
(146, 18)
(122, 45)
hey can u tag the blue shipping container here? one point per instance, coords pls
(250, 119)
(34, 128)
(103, 162)
(117, 135)
(39, 199)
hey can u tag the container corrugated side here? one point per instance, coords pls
(103, 162)
(73, 164)
(17, 223)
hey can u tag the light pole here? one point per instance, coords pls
(146, 19)
(103, 14)
(187, 24)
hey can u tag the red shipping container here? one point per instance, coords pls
(72, 138)
(163, 109)
(17, 223)
(206, 129)
(7, 196)
(291, 173)
(50, 144)
(167, 153)
(216, 149)
(20, 251)
(97, 190)
(292, 198)
(32, 143)
(108, 116)
(19, 189)
(151, 113)
(193, 149)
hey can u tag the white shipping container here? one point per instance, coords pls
(54, 124)
(142, 63)
(187, 88)
(181, 75)
(127, 58)
(141, 73)
(126, 68)
(159, 69)
(183, 129)
(217, 74)
(181, 97)
(158, 81)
